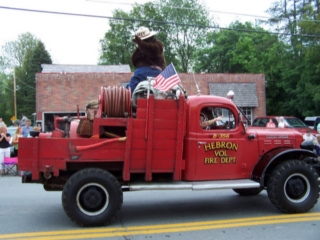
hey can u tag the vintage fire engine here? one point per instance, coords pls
(161, 144)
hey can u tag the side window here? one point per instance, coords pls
(256, 122)
(212, 118)
(275, 122)
(264, 122)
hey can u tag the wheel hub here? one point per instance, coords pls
(296, 188)
(92, 198)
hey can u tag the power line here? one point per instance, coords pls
(24, 83)
(7, 88)
(160, 22)
(213, 11)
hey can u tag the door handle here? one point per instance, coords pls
(202, 143)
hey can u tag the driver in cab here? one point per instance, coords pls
(205, 124)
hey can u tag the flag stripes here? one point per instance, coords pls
(167, 79)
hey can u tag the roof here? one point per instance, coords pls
(197, 100)
(62, 68)
(311, 118)
(245, 94)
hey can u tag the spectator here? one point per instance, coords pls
(1, 122)
(39, 127)
(282, 123)
(4, 146)
(309, 137)
(15, 140)
(16, 122)
(271, 124)
(23, 120)
(27, 128)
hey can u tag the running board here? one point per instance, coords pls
(201, 185)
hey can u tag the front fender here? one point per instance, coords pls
(273, 157)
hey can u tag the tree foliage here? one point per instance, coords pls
(180, 41)
(290, 61)
(299, 77)
(31, 66)
(27, 54)
(15, 51)
(6, 97)
(241, 51)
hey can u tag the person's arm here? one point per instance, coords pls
(15, 139)
(4, 136)
(150, 49)
(210, 122)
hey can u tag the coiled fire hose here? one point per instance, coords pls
(115, 101)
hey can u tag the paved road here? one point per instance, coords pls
(29, 212)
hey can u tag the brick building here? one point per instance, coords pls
(59, 91)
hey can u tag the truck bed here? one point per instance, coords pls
(154, 143)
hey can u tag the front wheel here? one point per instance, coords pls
(92, 197)
(293, 187)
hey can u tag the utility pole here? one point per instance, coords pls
(14, 93)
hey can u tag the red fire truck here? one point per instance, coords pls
(163, 144)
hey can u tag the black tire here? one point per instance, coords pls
(248, 191)
(293, 187)
(92, 197)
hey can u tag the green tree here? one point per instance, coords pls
(185, 40)
(299, 79)
(235, 51)
(31, 66)
(180, 41)
(6, 97)
(15, 51)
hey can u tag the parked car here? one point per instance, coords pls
(11, 131)
(292, 122)
(312, 122)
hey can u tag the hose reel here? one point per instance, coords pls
(115, 102)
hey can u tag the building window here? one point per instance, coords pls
(248, 111)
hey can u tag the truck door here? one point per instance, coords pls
(220, 148)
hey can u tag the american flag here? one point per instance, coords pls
(167, 79)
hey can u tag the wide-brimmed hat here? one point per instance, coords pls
(230, 93)
(144, 33)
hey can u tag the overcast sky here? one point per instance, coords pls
(75, 40)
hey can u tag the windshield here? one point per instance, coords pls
(296, 123)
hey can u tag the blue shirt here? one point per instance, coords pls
(141, 74)
(26, 130)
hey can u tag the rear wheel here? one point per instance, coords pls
(92, 197)
(293, 187)
(248, 191)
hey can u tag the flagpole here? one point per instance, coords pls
(147, 115)
(185, 92)
(175, 71)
